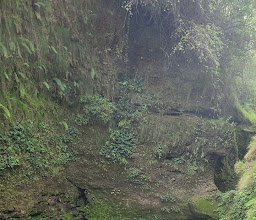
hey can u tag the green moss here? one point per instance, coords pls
(207, 206)
(103, 211)
(67, 216)
(248, 115)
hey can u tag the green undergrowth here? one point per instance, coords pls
(136, 176)
(238, 204)
(102, 210)
(241, 203)
(120, 146)
(119, 115)
(194, 157)
(96, 109)
(27, 148)
(249, 115)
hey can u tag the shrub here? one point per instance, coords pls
(96, 109)
(159, 151)
(167, 198)
(71, 133)
(175, 209)
(121, 145)
(135, 175)
(22, 146)
(166, 209)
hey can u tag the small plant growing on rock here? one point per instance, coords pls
(160, 151)
(96, 109)
(121, 145)
(167, 198)
(135, 175)
(166, 209)
(175, 209)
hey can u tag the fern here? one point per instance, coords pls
(42, 68)
(7, 113)
(251, 202)
(60, 84)
(28, 45)
(4, 50)
(46, 85)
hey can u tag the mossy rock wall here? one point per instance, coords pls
(53, 52)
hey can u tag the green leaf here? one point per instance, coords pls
(6, 76)
(46, 85)
(4, 50)
(54, 50)
(65, 124)
(6, 111)
(22, 75)
(16, 78)
(42, 68)
(251, 202)
(39, 4)
(61, 85)
(12, 46)
(19, 52)
(38, 16)
(93, 73)
(28, 45)
(25, 64)
(36, 4)
(22, 91)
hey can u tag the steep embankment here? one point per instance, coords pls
(108, 127)
(50, 53)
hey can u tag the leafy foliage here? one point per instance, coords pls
(102, 211)
(23, 147)
(159, 151)
(96, 110)
(120, 146)
(136, 176)
(167, 198)
(6, 111)
(4, 50)
(233, 204)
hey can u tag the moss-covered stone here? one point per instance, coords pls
(204, 206)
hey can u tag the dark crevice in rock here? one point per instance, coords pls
(35, 214)
(202, 112)
(81, 191)
(243, 138)
(82, 195)
(225, 177)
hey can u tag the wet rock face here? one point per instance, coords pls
(50, 205)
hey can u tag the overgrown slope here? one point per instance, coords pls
(122, 109)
